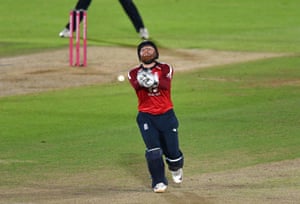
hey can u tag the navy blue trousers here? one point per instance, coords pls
(160, 135)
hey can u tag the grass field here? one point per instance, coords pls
(231, 116)
(258, 25)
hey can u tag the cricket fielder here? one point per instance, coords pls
(129, 8)
(156, 119)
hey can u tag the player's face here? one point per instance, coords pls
(147, 51)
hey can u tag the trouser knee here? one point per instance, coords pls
(153, 154)
(175, 163)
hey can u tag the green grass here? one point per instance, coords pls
(230, 117)
(72, 130)
(258, 25)
(243, 114)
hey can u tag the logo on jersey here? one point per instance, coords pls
(153, 91)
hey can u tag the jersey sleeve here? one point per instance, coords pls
(132, 79)
(166, 76)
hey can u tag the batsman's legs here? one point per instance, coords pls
(154, 154)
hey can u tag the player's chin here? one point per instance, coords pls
(147, 60)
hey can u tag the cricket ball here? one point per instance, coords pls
(121, 78)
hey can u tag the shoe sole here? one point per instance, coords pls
(160, 190)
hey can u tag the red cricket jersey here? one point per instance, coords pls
(155, 100)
